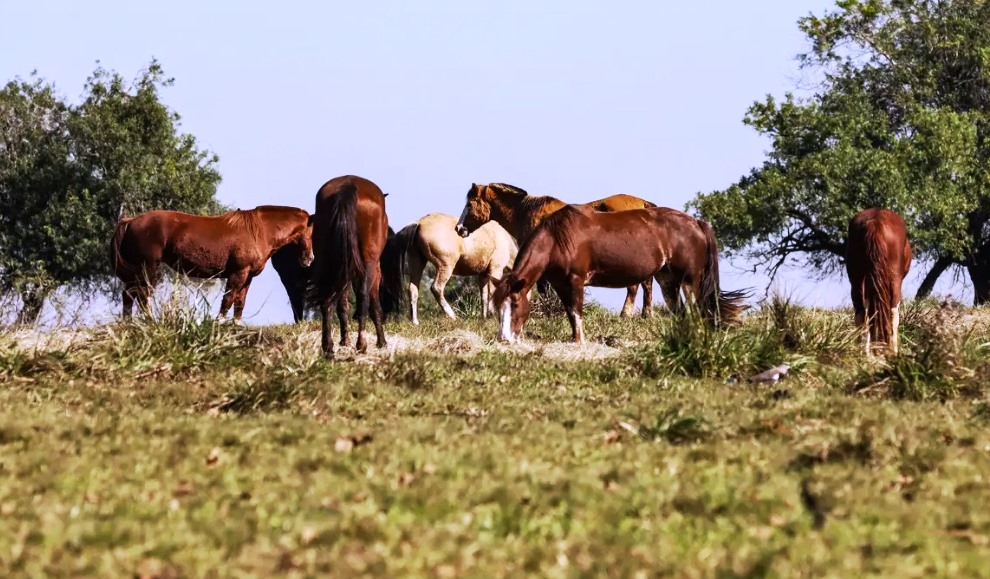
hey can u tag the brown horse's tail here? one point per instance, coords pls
(877, 285)
(118, 264)
(395, 265)
(338, 248)
(717, 306)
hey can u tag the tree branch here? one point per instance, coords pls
(938, 268)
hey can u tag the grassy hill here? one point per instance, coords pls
(181, 447)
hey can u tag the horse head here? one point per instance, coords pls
(511, 300)
(477, 211)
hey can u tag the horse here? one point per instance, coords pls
(520, 213)
(485, 253)
(350, 229)
(295, 277)
(234, 246)
(578, 246)
(878, 258)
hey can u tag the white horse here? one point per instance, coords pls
(484, 254)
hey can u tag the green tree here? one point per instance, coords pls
(900, 119)
(67, 172)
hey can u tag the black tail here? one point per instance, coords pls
(717, 306)
(337, 248)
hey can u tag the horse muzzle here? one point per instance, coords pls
(307, 259)
(461, 230)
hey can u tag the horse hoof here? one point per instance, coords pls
(382, 344)
(361, 348)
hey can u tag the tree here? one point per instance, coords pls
(901, 119)
(67, 172)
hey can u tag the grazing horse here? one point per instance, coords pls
(295, 277)
(577, 246)
(878, 258)
(350, 229)
(519, 213)
(485, 253)
(234, 246)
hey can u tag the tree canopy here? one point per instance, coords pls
(68, 171)
(900, 119)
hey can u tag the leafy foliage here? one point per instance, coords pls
(901, 120)
(68, 171)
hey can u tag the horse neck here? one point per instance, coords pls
(533, 259)
(279, 230)
(509, 211)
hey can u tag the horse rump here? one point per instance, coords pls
(337, 248)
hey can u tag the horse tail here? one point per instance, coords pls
(717, 306)
(878, 284)
(395, 264)
(339, 248)
(118, 264)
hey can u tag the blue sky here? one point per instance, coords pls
(574, 99)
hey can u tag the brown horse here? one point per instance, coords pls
(295, 277)
(577, 246)
(234, 246)
(878, 258)
(350, 230)
(520, 213)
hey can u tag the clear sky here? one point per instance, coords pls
(575, 99)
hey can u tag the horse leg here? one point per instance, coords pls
(343, 308)
(327, 332)
(895, 315)
(648, 298)
(630, 303)
(374, 281)
(859, 310)
(671, 291)
(484, 283)
(239, 300)
(234, 284)
(416, 266)
(361, 295)
(571, 293)
(443, 276)
(128, 296)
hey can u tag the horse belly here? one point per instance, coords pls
(623, 266)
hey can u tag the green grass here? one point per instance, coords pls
(177, 447)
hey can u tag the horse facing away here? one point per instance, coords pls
(295, 277)
(878, 258)
(577, 246)
(520, 213)
(350, 229)
(485, 253)
(234, 246)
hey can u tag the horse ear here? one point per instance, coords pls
(309, 221)
(384, 194)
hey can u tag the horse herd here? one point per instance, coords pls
(616, 242)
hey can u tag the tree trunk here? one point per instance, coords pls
(979, 272)
(927, 284)
(33, 300)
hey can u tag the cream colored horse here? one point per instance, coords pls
(484, 254)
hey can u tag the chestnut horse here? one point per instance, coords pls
(234, 246)
(577, 246)
(878, 258)
(350, 229)
(484, 254)
(519, 213)
(294, 277)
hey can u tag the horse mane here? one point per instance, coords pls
(247, 219)
(561, 224)
(505, 187)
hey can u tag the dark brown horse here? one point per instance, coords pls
(234, 246)
(577, 246)
(295, 277)
(878, 258)
(350, 230)
(520, 213)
